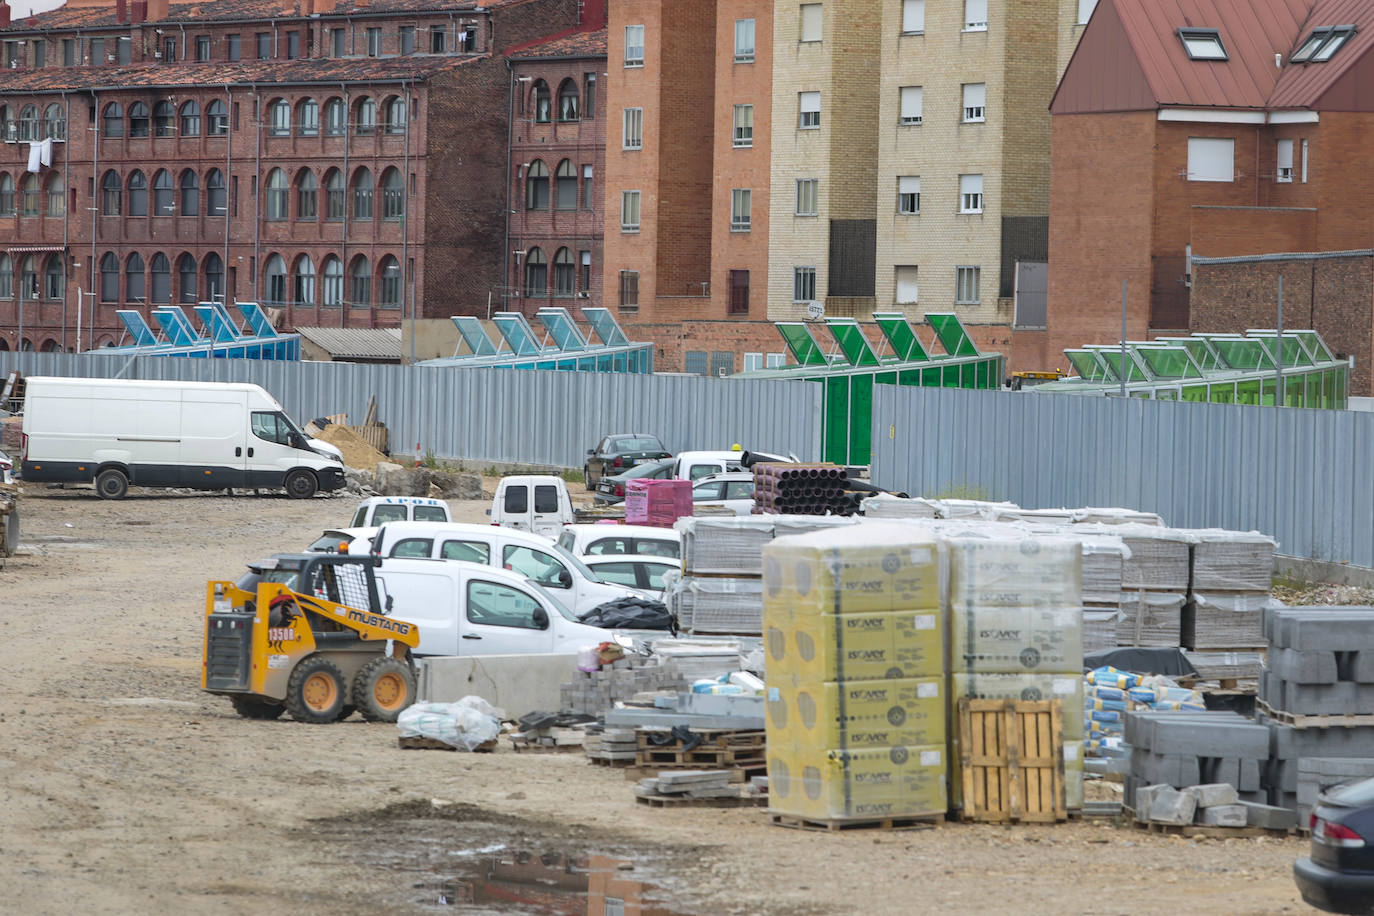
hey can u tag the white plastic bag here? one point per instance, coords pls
(462, 725)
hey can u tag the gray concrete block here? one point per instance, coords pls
(1344, 698)
(1250, 775)
(1273, 817)
(1224, 816)
(1230, 735)
(1330, 629)
(1142, 796)
(1291, 743)
(1218, 770)
(1170, 806)
(1211, 795)
(1362, 668)
(1302, 667)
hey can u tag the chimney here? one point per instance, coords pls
(4, 15)
(121, 10)
(592, 16)
(139, 11)
(157, 10)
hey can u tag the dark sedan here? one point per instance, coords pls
(620, 452)
(611, 490)
(1339, 874)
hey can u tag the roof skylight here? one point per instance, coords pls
(1202, 44)
(1322, 44)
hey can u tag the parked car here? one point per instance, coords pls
(378, 510)
(538, 503)
(1338, 875)
(734, 491)
(610, 491)
(343, 540)
(620, 540)
(618, 452)
(696, 465)
(642, 572)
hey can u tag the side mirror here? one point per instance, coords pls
(488, 512)
(591, 451)
(541, 618)
(564, 579)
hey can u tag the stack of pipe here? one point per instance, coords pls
(803, 489)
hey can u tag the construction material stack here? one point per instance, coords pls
(1183, 749)
(1154, 580)
(657, 502)
(856, 716)
(1232, 574)
(803, 489)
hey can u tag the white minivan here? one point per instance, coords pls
(532, 502)
(559, 572)
(198, 435)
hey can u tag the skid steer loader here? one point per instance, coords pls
(306, 634)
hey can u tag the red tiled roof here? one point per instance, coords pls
(88, 17)
(574, 44)
(320, 70)
(1310, 85)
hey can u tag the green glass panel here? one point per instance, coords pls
(949, 377)
(1197, 393)
(1143, 394)
(982, 374)
(1166, 394)
(1266, 392)
(1248, 392)
(1222, 393)
(1169, 362)
(952, 335)
(1088, 366)
(1293, 390)
(930, 378)
(967, 377)
(860, 419)
(1315, 346)
(837, 419)
(798, 338)
(1244, 353)
(887, 378)
(1111, 357)
(906, 346)
(1311, 389)
(911, 378)
(1342, 381)
(853, 344)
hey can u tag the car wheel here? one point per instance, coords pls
(587, 478)
(300, 485)
(111, 484)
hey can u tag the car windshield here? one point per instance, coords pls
(1354, 795)
(572, 560)
(548, 595)
(637, 444)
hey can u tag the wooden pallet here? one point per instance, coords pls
(724, 801)
(419, 743)
(1220, 833)
(603, 762)
(1313, 721)
(737, 774)
(917, 822)
(701, 758)
(1011, 760)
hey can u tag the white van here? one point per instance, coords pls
(696, 465)
(563, 575)
(200, 435)
(620, 540)
(532, 502)
(378, 510)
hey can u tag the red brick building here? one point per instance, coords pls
(1207, 130)
(339, 164)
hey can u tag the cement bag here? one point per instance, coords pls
(456, 724)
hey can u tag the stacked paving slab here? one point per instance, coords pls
(1223, 621)
(1182, 749)
(594, 692)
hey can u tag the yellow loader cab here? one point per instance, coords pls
(306, 634)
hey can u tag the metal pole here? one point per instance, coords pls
(1123, 338)
(1278, 370)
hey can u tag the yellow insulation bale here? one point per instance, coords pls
(1015, 569)
(877, 783)
(844, 647)
(878, 566)
(857, 714)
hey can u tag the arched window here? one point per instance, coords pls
(362, 283)
(567, 186)
(393, 195)
(564, 273)
(333, 282)
(279, 118)
(333, 195)
(215, 198)
(274, 280)
(57, 196)
(278, 195)
(537, 186)
(335, 122)
(7, 194)
(28, 123)
(305, 281)
(362, 194)
(111, 194)
(568, 109)
(164, 119)
(190, 120)
(536, 274)
(134, 286)
(186, 276)
(109, 278)
(216, 119)
(114, 121)
(367, 117)
(162, 279)
(7, 276)
(54, 278)
(214, 277)
(307, 196)
(308, 118)
(28, 278)
(190, 193)
(543, 106)
(138, 194)
(138, 120)
(164, 198)
(395, 115)
(390, 270)
(33, 195)
(55, 122)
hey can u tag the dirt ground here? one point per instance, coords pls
(125, 789)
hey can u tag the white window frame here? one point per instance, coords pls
(742, 135)
(975, 15)
(629, 211)
(913, 17)
(753, 362)
(744, 41)
(632, 129)
(801, 277)
(634, 42)
(803, 99)
(1304, 161)
(910, 106)
(1283, 161)
(967, 284)
(1212, 159)
(741, 209)
(810, 23)
(975, 103)
(775, 360)
(910, 282)
(808, 192)
(909, 195)
(971, 193)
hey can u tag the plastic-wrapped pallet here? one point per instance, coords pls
(1224, 620)
(1232, 561)
(1158, 558)
(974, 508)
(723, 604)
(1100, 516)
(1100, 625)
(1049, 518)
(885, 505)
(1149, 618)
(1213, 666)
(733, 546)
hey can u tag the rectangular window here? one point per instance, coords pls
(775, 360)
(169, 50)
(912, 103)
(741, 203)
(966, 285)
(69, 52)
(744, 41)
(589, 96)
(438, 40)
(293, 45)
(338, 42)
(40, 54)
(97, 52)
(975, 102)
(1284, 155)
(810, 105)
(374, 42)
(263, 41)
(1211, 159)
(908, 194)
(753, 362)
(1304, 162)
(913, 17)
(739, 292)
(629, 211)
(202, 48)
(803, 284)
(810, 22)
(407, 36)
(744, 126)
(906, 285)
(233, 47)
(806, 196)
(975, 15)
(1203, 44)
(584, 260)
(1085, 10)
(629, 289)
(634, 45)
(11, 54)
(970, 193)
(632, 136)
(587, 185)
(123, 51)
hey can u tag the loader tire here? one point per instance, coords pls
(383, 688)
(316, 693)
(253, 708)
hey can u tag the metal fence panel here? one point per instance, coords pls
(503, 415)
(1299, 475)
